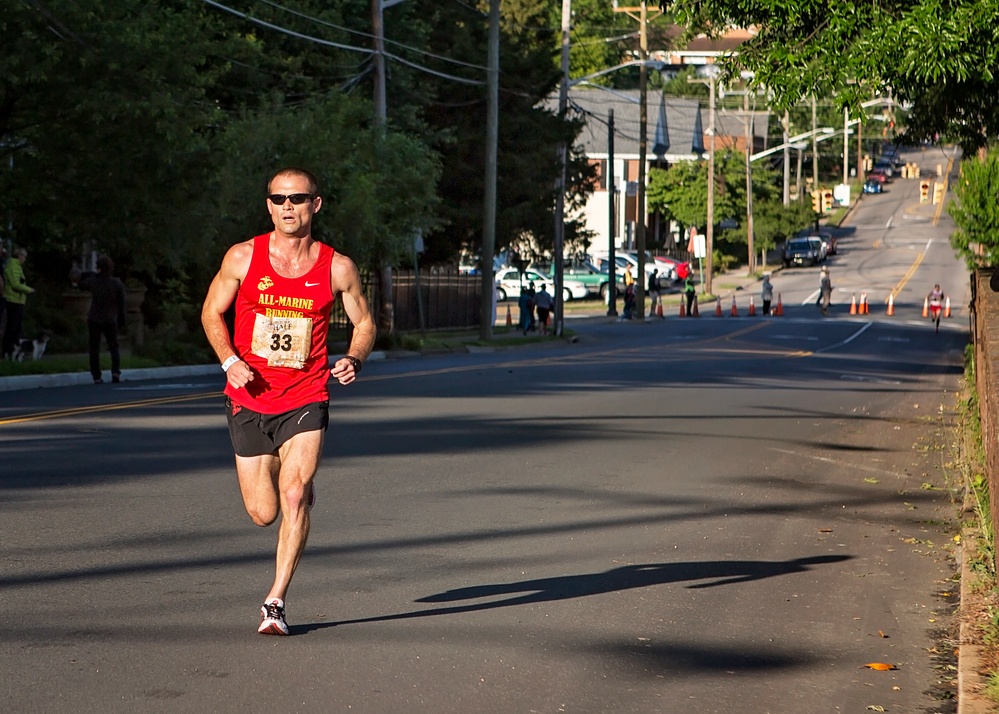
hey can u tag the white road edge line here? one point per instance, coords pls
(847, 341)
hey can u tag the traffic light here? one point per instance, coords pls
(827, 200)
(817, 200)
(924, 191)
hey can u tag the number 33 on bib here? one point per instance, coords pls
(282, 341)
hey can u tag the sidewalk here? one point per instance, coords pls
(72, 379)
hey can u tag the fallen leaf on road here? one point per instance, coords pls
(875, 708)
(871, 479)
(880, 666)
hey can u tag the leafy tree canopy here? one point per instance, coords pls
(976, 211)
(937, 55)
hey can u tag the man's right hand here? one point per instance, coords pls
(239, 374)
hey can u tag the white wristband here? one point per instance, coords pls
(229, 363)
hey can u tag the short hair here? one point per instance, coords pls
(20, 252)
(295, 171)
(105, 266)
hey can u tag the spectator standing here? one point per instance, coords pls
(526, 307)
(105, 317)
(543, 302)
(689, 292)
(16, 292)
(767, 293)
(825, 290)
(653, 291)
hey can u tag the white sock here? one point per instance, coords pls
(274, 601)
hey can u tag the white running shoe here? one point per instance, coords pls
(272, 620)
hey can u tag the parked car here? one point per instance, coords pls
(800, 251)
(878, 175)
(584, 272)
(820, 246)
(509, 284)
(872, 186)
(629, 260)
(673, 268)
(830, 242)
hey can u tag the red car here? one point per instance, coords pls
(673, 268)
(878, 175)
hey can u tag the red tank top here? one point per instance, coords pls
(281, 328)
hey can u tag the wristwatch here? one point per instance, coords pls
(354, 361)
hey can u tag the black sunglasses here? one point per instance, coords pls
(297, 198)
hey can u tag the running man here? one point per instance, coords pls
(283, 284)
(935, 298)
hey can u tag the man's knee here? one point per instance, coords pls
(262, 516)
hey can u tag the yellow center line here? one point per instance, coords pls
(537, 361)
(77, 411)
(908, 275)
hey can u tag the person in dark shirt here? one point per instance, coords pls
(105, 316)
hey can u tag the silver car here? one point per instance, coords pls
(509, 284)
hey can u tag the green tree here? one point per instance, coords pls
(976, 211)
(939, 56)
(680, 193)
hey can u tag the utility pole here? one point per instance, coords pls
(785, 122)
(487, 314)
(563, 103)
(643, 112)
(612, 222)
(815, 145)
(709, 229)
(846, 144)
(749, 184)
(643, 20)
(386, 309)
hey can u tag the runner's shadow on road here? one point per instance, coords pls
(565, 587)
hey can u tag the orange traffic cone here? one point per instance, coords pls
(752, 307)
(683, 308)
(926, 307)
(864, 307)
(718, 312)
(509, 317)
(694, 311)
(779, 310)
(891, 304)
(853, 305)
(947, 307)
(735, 310)
(659, 309)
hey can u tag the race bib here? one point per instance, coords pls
(282, 341)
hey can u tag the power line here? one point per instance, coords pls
(349, 48)
(371, 37)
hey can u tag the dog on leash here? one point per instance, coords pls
(35, 347)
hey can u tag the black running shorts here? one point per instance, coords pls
(256, 434)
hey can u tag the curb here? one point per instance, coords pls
(969, 681)
(72, 379)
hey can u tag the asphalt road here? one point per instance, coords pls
(713, 515)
